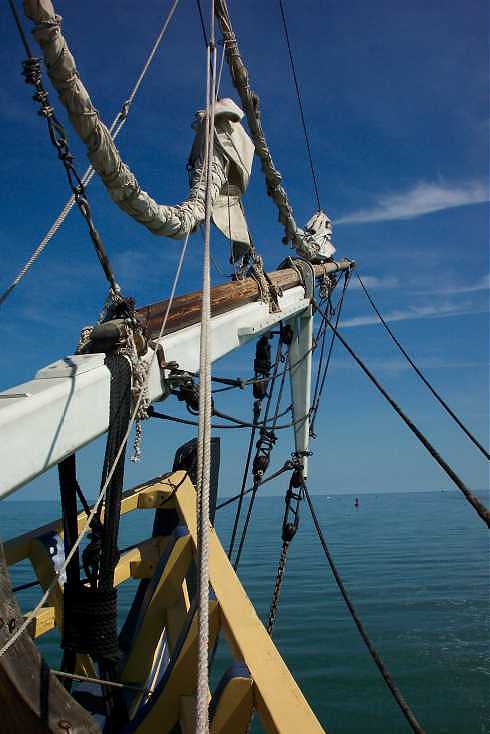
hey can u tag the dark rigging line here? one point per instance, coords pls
(421, 375)
(260, 443)
(288, 465)
(203, 26)
(300, 103)
(22, 34)
(238, 512)
(319, 387)
(472, 499)
(405, 708)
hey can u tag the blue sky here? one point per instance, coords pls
(396, 98)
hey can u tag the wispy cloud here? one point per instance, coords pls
(415, 313)
(423, 198)
(372, 281)
(482, 284)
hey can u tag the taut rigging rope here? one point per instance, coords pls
(300, 103)
(27, 621)
(205, 408)
(421, 375)
(405, 708)
(472, 499)
(114, 130)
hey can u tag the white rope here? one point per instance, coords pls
(114, 130)
(204, 434)
(59, 573)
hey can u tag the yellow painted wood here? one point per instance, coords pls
(166, 709)
(277, 698)
(167, 595)
(18, 548)
(43, 621)
(43, 568)
(141, 561)
(234, 708)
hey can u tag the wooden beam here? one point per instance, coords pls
(186, 309)
(145, 496)
(277, 698)
(168, 593)
(163, 710)
(235, 706)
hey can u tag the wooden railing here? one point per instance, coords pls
(263, 684)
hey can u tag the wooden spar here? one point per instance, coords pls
(65, 406)
(186, 309)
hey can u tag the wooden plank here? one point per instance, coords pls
(167, 593)
(163, 710)
(234, 709)
(43, 621)
(143, 496)
(278, 699)
(139, 562)
(186, 309)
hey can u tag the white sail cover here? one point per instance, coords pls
(231, 165)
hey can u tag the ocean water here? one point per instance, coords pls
(416, 567)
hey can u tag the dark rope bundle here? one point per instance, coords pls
(90, 609)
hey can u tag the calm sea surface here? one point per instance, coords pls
(416, 566)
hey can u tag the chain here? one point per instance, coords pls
(290, 523)
(277, 586)
(31, 71)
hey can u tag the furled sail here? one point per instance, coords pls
(232, 159)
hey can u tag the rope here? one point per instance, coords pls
(27, 621)
(250, 104)
(205, 409)
(257, 408)
(265, 445)
(421, 375)
(100, 681)
(114, 130)
(397, 695)
(319, 387)
(300, 103)
(286, 466)
(472, 499)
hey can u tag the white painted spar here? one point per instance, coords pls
(66, 405)
(300, 357)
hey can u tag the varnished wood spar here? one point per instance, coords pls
(186, 310)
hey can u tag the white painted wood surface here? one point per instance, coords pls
(66, 405)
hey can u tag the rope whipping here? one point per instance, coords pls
(205, 408)
(471, 498)
(114, 130)
(29, 617)
(300, 103)
(397, 695)
(420, 374)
